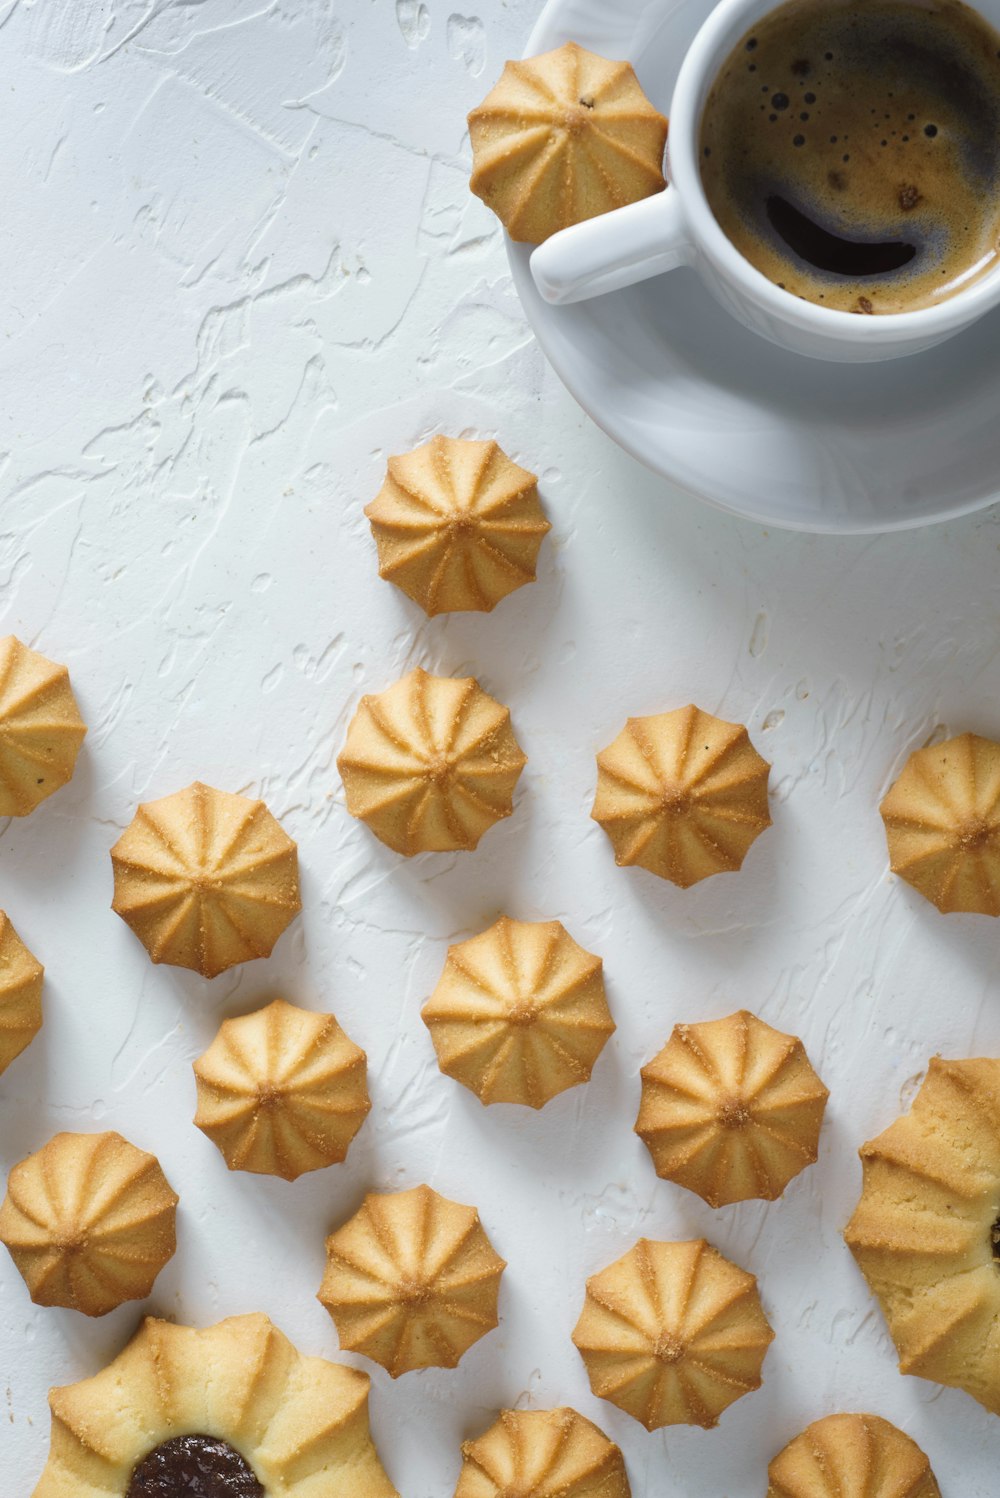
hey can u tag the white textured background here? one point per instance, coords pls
(240, 265)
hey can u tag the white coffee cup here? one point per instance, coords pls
(677, 227)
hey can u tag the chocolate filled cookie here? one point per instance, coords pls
(233, 1411)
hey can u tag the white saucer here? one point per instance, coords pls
(772, 436)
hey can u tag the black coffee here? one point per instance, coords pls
(850, 149)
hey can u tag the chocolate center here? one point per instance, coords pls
(194, 1467)
(995, 1240)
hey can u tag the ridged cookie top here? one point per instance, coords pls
(542, 1454)
(673, 1333)
(519, 1014)
(682, 794)
(563, 137)
(942, 823)
(457, 525)
(851, 1456)
(731, 1109)
(89, 1222)
(431, 763)
(926, 1233)
(40, 728)
(21, 976)
(282, 1091)
(206, 879)
(241, 1381)
(412, 1280)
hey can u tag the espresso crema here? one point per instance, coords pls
(851, 151)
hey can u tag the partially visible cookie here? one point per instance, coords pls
(40, 728)
(673, 1333)
(851, 1456)
(232, 1410)
(89, 1222)
(926, 1231)
(21, 977)
(563, 137)
(942, 824)
(519, 1013)
(542, 1454)
(731, 1109)
(206, 879)
(281, 1091)
(682, 794)
(411, 1280)
(430, 764)
(458, 525)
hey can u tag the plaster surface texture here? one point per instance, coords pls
(241, 266)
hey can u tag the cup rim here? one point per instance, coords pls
(717, 35)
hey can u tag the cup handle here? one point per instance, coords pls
(615, 249)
